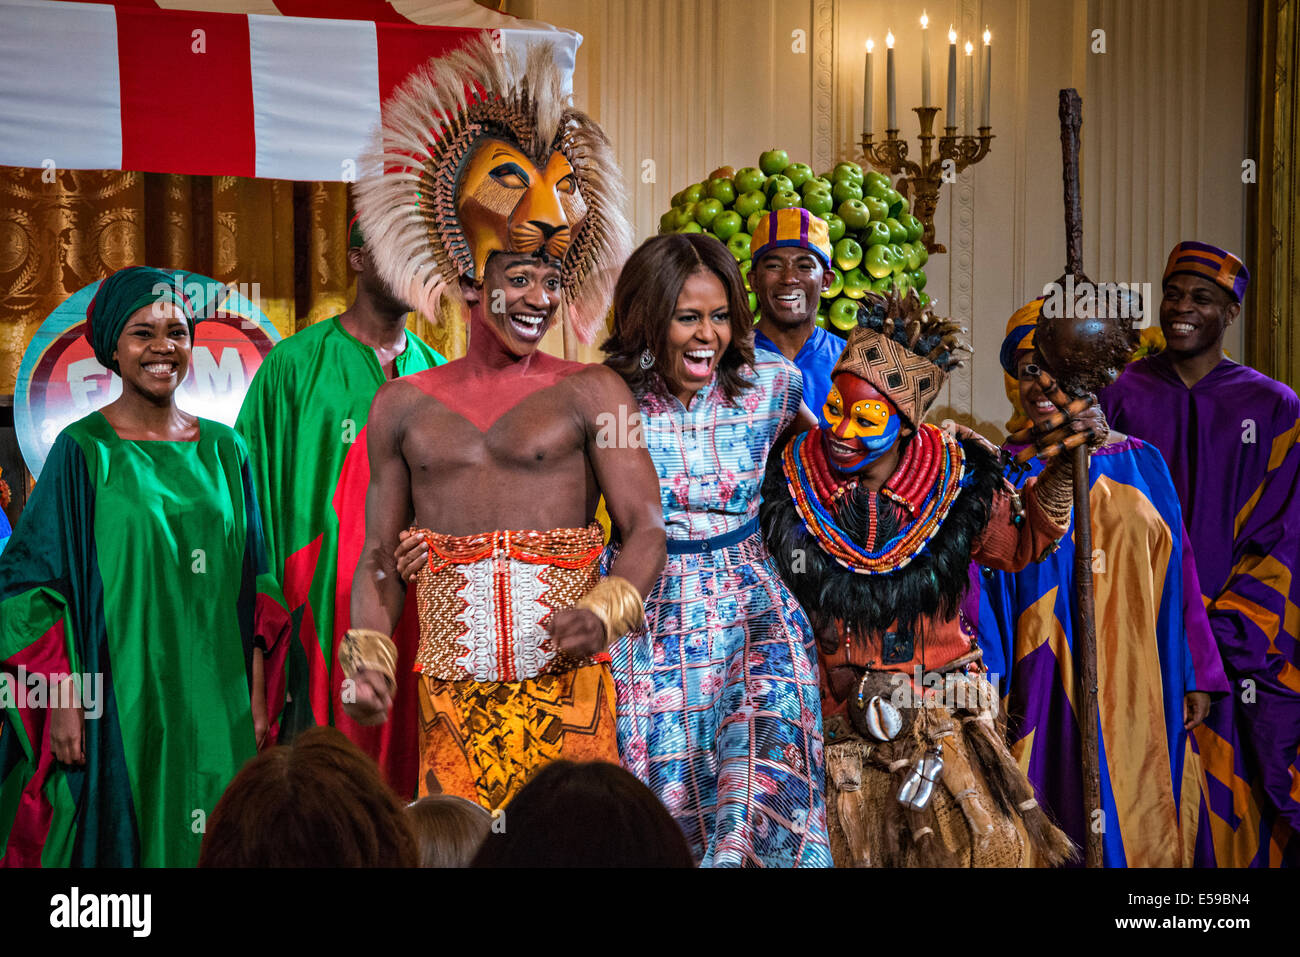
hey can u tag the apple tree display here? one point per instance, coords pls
(876, 240)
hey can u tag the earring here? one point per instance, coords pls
(647, 359)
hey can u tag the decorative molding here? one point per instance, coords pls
(824, 63)
(1019, 139)
(961, 278)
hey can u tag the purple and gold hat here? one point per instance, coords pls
(793, 226)
(1209, 262)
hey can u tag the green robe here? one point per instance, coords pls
(304, 410)
(137, 561)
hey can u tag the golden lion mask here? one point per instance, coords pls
(506, 204)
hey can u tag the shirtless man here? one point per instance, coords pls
(513, 624)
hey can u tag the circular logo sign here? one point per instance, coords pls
(61, 381)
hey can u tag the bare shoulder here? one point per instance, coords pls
(394, 399)
(603, 386)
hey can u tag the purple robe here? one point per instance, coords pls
(1231, 445)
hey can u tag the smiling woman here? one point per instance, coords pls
(718, 709)
(168, 608)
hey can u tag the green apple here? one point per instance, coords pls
(897, 234)
(925, 253)
(748, 179)
(785, 199)
(815, 183)
(691, 228)
(745, 266)
(848, 253)
(875, 234)
(749, 203)
(918, 278)
(668, 221)
(891, 197)
(877, 261)
(877, 180)
(848, 171)
(773, 161)
(879, 210)
(913, 256)
(727, 224)
(925, 299)
(844, 314)
(694, 193)
(797, 173)
(845, 190)
(818, 203)
(856, 283)
(776, 184)
(751, 224)
(854, 214)
(900, 208)
(913, 226)
(902, 284)
(739, 246)
(835, 227)
(820, 320)
(899, 262)
(883, 286)
(684, 214)
(706, 210)
(723, 190)
(753, 305)
(837, 283)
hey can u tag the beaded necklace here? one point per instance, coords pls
(933, 458)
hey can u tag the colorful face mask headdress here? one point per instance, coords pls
(904, 350)
(478, 157)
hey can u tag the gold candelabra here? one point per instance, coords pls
(922, 181)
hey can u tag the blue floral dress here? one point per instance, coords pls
(718, 707)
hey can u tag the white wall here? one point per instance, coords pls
(695, 84)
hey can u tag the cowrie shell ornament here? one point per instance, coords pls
(882, 719)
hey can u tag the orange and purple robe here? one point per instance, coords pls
(1153, 647)
(1231, 443)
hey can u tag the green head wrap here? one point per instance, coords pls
(120, 295)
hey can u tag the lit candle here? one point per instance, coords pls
(925, 59)
(970, 88)
(988, 77)
(952, 79)
(866, 89)
(889, 81)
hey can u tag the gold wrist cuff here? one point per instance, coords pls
(365, 650)
(617, 603)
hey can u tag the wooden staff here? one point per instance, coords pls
(1084, 617)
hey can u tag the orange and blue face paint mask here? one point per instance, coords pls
(856, 413)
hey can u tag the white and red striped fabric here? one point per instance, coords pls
(289, 89)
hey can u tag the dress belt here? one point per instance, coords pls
(688, 546)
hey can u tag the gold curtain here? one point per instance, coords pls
(63, 229)
(1273, 333)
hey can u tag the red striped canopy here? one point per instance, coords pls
(286, 89)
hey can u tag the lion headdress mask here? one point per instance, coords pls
(477, 156)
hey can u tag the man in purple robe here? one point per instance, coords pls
(1229, 435)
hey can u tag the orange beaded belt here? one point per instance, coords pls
(485, 601)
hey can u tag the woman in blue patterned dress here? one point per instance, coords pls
(718, 708)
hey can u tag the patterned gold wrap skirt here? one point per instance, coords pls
(497, 699)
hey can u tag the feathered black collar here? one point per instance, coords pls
(931, 585)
